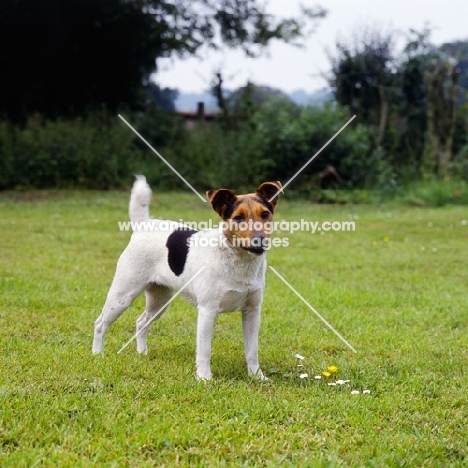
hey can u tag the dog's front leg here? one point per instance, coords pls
(250, 329)
(206, 320)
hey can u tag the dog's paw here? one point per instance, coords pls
(204, 376)
(258, 375)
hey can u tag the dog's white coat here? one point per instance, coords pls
(232, 280)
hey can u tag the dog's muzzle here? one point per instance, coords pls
(258, 244)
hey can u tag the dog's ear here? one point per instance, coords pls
(221, 199)
(270, 191)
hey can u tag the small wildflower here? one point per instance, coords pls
(435, 249)
(366, 392)
(331, 384)
(317, 377)
(332, 369)
(304, 376)
(355, 392)
(326, 374)
(300, 365)
(386, 239)
(342, 382)
(298, 356)
(464, 222)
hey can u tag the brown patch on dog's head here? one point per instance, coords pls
(248, 218)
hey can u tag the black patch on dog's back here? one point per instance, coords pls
(178, 247)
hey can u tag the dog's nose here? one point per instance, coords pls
(257, 240)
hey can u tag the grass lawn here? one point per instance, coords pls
(396, 289)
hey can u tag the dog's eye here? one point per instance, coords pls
(265, 215)
(238, 219)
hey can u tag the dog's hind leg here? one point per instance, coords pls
(156, 298)
(121, 294)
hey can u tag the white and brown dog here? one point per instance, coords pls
(162, 261)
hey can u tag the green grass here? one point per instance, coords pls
(401, 302)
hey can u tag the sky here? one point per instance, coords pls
(288, 68)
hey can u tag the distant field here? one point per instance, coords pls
(396, 289)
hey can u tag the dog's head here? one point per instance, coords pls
(248, 219)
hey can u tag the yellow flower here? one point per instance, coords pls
(326, 374)
(386, 239)
(332, 369)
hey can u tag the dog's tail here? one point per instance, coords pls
(140, 200)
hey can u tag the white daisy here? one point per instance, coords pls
(342, 382)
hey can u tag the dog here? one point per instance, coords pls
(215, 270)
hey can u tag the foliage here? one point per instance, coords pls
(361, 71)
(91, 152)
(274, 143)
(459, 50)
(66, 57)
(287, 137)
(408, 101)
(164, 98)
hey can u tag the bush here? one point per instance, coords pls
(276, 142)
(272, 144)
(458, 168)
(287, 137)
(83, 152)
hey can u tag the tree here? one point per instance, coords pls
(164, 98)
(429, 77)
(459, 50)
(240, 105)
(363, 76)
(410, 100)
(441, 110)
(62, 57)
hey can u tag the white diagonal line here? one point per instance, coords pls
(313, 310)
(162, 159)
(313, 157)
(158, 313)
